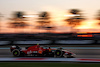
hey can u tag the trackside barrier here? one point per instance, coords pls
(53, 59)
(46, 42)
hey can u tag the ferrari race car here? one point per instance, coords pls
(37, 50)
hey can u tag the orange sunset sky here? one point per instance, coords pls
(57, 10)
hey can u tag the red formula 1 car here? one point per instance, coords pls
(37, 50)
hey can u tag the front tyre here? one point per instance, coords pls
(16, 53)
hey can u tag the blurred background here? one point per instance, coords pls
(49, 22)
(73, 25)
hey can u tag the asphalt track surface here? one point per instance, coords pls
(80, 53)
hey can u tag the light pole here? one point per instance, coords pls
(0, 20)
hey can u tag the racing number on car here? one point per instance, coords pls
(34, 51)
(29, 52)
(40, 51)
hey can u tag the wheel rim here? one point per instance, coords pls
(57, 53)
(15, 53)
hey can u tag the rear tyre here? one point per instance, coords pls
(16, 53)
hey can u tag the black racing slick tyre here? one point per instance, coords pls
(58, 53)
(16, 53)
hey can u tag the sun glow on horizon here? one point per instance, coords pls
(90, 24)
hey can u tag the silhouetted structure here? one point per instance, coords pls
(98, 16)
(18, 20)
(44, 19)
(76, 19)
(0, 19)
(18, 15)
